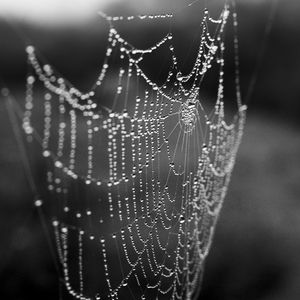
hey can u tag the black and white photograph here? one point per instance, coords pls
(149, 149)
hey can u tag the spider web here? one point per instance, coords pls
(136, 177)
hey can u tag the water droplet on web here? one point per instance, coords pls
(38, 203)
(58, 164)
(46, 153)
(179, 76)
(30, 79)
(47, 69)
(30, 49)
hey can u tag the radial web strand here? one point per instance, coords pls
(136, 177)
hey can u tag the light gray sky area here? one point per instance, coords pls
(51, 12)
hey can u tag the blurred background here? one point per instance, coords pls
(256, 249)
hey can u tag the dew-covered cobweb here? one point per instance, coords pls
(137, 174)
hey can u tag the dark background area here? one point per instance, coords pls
(256, 250)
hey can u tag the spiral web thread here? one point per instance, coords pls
(136, 183)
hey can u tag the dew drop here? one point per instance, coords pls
(38, 203)
(46, 153)
(30, 79)
(29, 49)
(58, 164)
